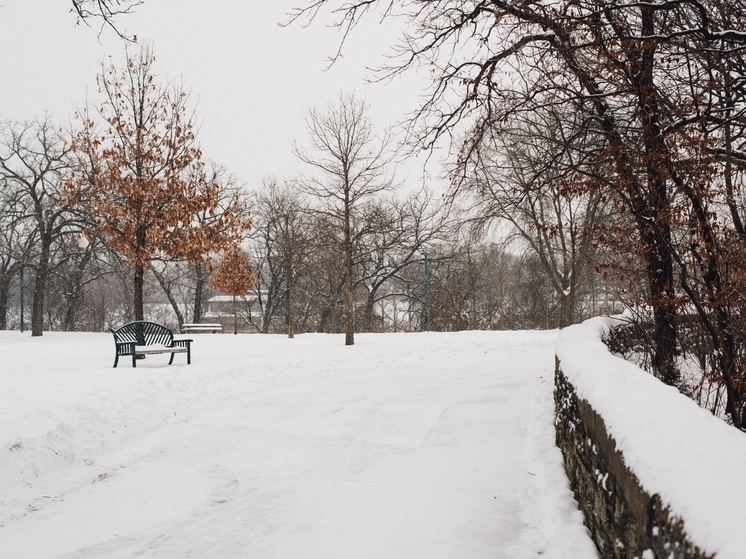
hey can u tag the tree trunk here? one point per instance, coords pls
(472, 290)
(140, 238)
(657, 239)
(349, 308)
(501, 263)
(169, 295)
(75, 295)
(74, 301)
(370, 302)
(567, 303)
(235, 317)
(660, 278)
(200, 271)
(268, 312)
(40, 288)
(291, 295)
(139, 282)
(4, 289)
(592, 284)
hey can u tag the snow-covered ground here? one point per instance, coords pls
(403, 446)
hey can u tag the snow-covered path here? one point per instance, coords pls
(402, 446)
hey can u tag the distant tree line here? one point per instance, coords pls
(295, 252)
(75, 280)
(122, 218)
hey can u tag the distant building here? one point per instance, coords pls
(219, 309)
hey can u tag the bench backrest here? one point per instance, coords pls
(144, 333)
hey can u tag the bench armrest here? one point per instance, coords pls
(184, 343)
(125, 348)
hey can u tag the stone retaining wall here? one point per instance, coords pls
(624, 520)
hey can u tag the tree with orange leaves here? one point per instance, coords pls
(141, 177)
(235, 277)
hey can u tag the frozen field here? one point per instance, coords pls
(404, 446)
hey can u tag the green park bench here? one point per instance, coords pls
(141, 338)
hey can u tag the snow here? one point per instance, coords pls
(693, 460)
(402, 446)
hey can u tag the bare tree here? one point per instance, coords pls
(104, 11)
(324, 282)
(527, 177)
(392, 234)
(350, 164)
(85, 264)
(16, 243)
(33, 161)
(283, 234)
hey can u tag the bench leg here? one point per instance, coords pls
(189, 357)
(134, 360)
(116, 360)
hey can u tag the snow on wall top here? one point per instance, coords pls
(694, 461)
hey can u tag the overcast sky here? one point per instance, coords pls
(249, 78)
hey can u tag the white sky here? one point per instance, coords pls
(249, 78)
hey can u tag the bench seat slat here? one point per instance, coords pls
(189, 327)
(147, 350)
